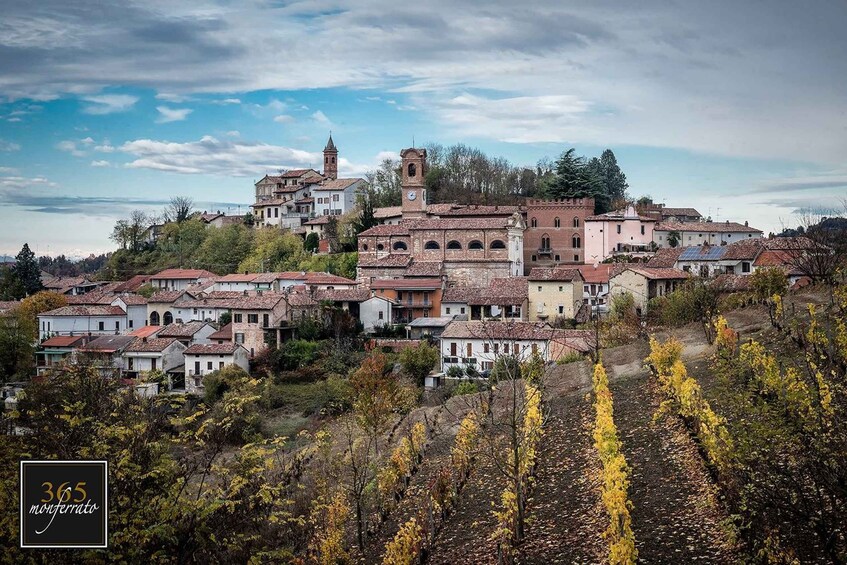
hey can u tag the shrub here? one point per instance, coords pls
(455, 372)
(572, 357)
(418, 361)
(506, 368)
(465, 387)
(406, 546)
(294, 354)
(768, 282)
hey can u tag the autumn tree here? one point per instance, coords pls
(40, 302)
(419, 361)
(375, 393)
(179, 209)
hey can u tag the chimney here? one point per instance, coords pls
(746, 224)
(144, 339)
(245, 293)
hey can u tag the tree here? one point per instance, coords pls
(312, 242)
(366, 219)
(129, 233)
(224, 249)
(249, 220)
(386, 183)
(673, 238)
(11, 287)
(274, 250)
(331, 234)
(17, 350)
(821, 249)
(27, 271)
(375, 391)
(768, 282)
(225, 318)
(179, 209)
(573, 179)
(40, 302)
(418, 361)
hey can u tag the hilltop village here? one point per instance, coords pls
(535, 271)
(439, 385)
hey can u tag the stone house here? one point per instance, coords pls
(645, 283)
(202, 359)
(506, 299)
(555, 292)
(255, 316)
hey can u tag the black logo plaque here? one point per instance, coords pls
(64, 504)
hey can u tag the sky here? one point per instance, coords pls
(736, 108)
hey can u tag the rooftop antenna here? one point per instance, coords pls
(413, 140)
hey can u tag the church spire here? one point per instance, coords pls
(330, 159)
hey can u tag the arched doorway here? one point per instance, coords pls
(168, 318)
(154, 318)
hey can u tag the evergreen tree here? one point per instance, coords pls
(574, 179)
(26, 270)
(366, 217)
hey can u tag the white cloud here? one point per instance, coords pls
(227, 101)
(87, 141)
(101, 163)
(8, 170)
(9, 146)
(105, 147)
(69, 146)
(102, 104)
(284, 119)
(167, 115)
(172, 98)
(14, 120)
(321, 118)
(211, 156)
(233, 133)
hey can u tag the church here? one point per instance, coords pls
(465, 245)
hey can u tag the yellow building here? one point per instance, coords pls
(554, 292)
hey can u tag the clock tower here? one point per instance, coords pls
(414, 189)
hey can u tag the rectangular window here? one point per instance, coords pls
(561, 309)
(380, 314)
(117, 326)
(561, 288)
(539, 289)
(534, 258)
(745, 267)
(130, 323)
(335, 198)
(463, 310)
(129, 364)
(619, 228)
(266, 319)
(236, 318)
(239, 338)
(470, 349)
(576, 258)
(252, 318)
(209, 365)
(101, 326)
(557, 258)
(153, 364)
(197, 367)
(447, 310)
(506, 348)
(535, 349)
(642, 230)
(485, 348)
(276, 212)
(452, 349)
(496, 348)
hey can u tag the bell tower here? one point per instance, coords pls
(414, 189)
(330, 159)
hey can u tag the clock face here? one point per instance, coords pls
(412, 195)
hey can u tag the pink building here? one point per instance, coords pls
(618, 233)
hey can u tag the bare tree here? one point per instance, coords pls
(179, 209)
(819, 247)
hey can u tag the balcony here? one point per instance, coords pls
(414, 304)
(545, 251)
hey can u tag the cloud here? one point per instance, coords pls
(69, 146)
(173, 98)
(8, 170)
(105, 147)
(167, 115)
(211, 156)
(101, 163)
(233, 133)
(108, 103)
(87, 141)
(227, 101)
(9, 146)
(321, 118)
(284, 119)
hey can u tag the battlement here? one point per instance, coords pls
(561, 202)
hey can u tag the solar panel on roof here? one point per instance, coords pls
(702, 254)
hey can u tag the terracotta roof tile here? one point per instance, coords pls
(343, 295)
(564, 274)
(150, 345)
(337, 184)
(660, 273)
(64, 341)
(596, 275)
(224, 333)
(706, 227)
(85, 310)
(182, 330)
(108, 343)
(166, 296)
(387, 229)
(425, 284)
(665, 257)
(171, 274)
(396, 260)
(212, 349)
(510, 330)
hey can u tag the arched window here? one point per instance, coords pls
(576, 222)
(379, 247)
(577, 243)
(431, 244)
(557, 223)
(498, 244)
(168, 318)
(154, 318)
(399, 245)
(476, 244)
(364, 247)
(533, 223)
(545, 242)
(413, 170)
(453, 244)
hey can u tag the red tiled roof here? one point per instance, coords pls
(301, 299)
(6, 305)
(388, 212)
(482, 223)
(387, 229)
(659, 273)
(212, 349)
(343, 295)
(336, 184)
(554, 274)
(510, 330)
(266, 301)
(747, 249)
(773, 259)
(86, 310)
(665, 257)
(145, 331)
(313, 277)
(319, 221)
(471, 210)
(238, 277)
(459, 294)
(150, 345)
(224, 333)
(129, 299)
(182, 330)
(710, 227)
(501, 292)
(108, 343)
(406, 284)
(599, 274)
(166, 296)
(63, 341)
(171, 274)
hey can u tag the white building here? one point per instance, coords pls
(189, 333)
(180, 279)
(153, 354)
(135, 307)
(622, 232)
(335, 197)
(82, 320)
(703, 233)
(200, 360)
(480, 344)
